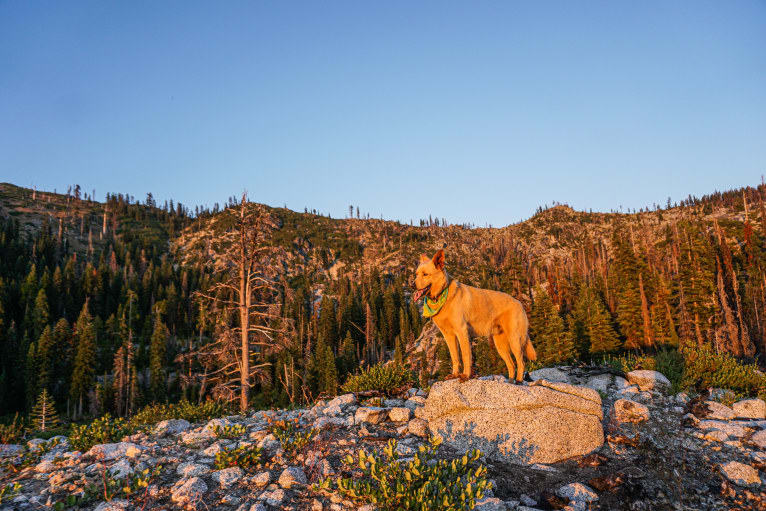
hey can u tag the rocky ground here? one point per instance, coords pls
(660, 452)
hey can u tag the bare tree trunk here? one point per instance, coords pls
(244, 317)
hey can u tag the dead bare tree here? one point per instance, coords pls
(243, 300)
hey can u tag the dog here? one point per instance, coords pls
(460, 311)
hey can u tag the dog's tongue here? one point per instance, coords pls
(417, 295)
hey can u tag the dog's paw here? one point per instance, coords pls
(452, 376)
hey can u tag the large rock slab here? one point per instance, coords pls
(544, 422)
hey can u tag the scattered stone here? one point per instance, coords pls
(8, 450)
(262, 479)
(121, 469)
(227, 476)
(399, 414)
(269, 443)
(599, 382)
(577, 492)
(750, 409)
(106, 452)
(626, 410)
(415, 402)
(216, 423)
(188, 490)
(732, 430)
(549, 374)
(741, 474)
(490, 504)
(171, 427)
(649, 380)
(370, 414)
(292, 476)
(274, 497)
(113, 505)
(759, 439)
(189, 469)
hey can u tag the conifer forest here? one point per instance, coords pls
(106, 307)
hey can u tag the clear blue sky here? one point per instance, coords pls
(473, 111)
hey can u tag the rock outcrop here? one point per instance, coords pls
(525, 424)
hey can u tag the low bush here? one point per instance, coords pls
(290, 437)
(229, 432)
(245, 457)
(191, 412)
(13, 432)
(422, 483)
(103, 430)
(705, 368)
(388, 379)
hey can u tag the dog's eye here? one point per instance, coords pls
(425, 275)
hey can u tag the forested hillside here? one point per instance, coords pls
(108, 306)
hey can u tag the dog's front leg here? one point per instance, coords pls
(454, 355)
(465, 352)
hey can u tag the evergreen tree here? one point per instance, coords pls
(158, 351)
(44, 415)
(83, 373)
(329, 382)
(46, 356)
(592, 325)
(553, 342)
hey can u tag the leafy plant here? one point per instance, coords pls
(9, 491)
(422, 483)
(291, 438)
(705, 368)
(388, 379)
(13, 432)
(245, 457)
(129, 486)
(229, 432)
(103, 430)
(191, 412)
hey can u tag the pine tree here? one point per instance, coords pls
(329, 381)
(46, 357)
(553, 342)
(84, 371)
(158, 350)
(44, 415)
(592, 325)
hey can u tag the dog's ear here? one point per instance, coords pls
(439, 259)
(424, 258)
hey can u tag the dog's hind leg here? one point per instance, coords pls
(516, 350)
(504, 350)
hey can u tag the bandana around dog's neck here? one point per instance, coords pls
(432, 307)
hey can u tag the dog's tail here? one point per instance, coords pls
(529, 350)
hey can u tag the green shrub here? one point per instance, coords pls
(423, 483)
(13, 432)
(9, 491)
(245, 457)
(229, 432)
(671, 364)
(191, 412)
(292, 439)
(704, 369)
(386, 378)
(103, 430)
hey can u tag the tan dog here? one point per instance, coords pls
(466, 311)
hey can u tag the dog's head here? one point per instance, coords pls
(429, 276)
